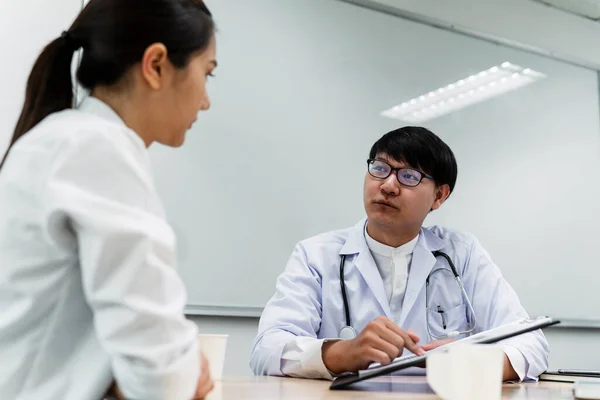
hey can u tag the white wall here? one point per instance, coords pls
(573, 348)
(26, 26)
(522, 22)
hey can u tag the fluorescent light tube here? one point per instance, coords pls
(473, 89)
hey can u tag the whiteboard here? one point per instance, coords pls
(296, 102)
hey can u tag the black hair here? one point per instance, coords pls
(419, 148)
(114, 35)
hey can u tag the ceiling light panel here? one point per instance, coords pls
(473, 89)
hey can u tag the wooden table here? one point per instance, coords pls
(397, 387)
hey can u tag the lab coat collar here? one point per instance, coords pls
(98, 108)
(421, 265)
(364, 262)
(356, 241)
(430, 240)
(92, 105)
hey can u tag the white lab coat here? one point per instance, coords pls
(88, 288)
(308, 300)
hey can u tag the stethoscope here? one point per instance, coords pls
(348, 332)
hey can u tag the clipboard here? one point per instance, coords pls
(489, 336)
(570, 376)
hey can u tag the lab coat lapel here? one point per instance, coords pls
(420, 267)
(365, 264)
(368, 269)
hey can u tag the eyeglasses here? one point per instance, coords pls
(406, 176)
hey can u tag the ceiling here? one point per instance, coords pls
(585, 8)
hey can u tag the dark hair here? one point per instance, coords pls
(422, 149)
(114, 35)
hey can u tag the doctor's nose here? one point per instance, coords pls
(390, 185)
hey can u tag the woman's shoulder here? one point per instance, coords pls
(72, 132)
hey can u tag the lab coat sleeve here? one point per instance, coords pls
(302, 358)
(495, 304)
(127, 262)
(517, 360)
(293, 312)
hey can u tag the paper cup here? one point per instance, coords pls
(466, 372)
(213, 347)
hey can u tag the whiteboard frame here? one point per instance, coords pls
(255, 313)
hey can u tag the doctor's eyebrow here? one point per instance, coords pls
(390, 160)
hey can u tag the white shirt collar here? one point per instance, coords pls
(99, 108)
(94, 106)
(389, 251)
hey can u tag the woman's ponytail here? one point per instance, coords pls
(49, 87)
(114, 35)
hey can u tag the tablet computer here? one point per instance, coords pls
(489, 336)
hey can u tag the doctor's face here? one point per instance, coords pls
(396, 208)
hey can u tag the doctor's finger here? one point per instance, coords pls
(435, 344)
(399, 331)
(394, 339)
(411, 345)
(378, 356)
(413, 335)
(388, 348)
(409, 338)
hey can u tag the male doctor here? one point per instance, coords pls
(399, 295)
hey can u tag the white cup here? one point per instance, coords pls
(466, 372)
(213, 347)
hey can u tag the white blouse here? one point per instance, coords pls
(88, 287)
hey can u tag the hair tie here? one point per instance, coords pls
(71, 43)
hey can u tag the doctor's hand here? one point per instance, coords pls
(436, 343)
(381, 341)
(205, 382)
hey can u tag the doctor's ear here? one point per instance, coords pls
(441, 194)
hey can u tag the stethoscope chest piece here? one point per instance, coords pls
(347, 333)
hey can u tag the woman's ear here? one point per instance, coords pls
(154, 63)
